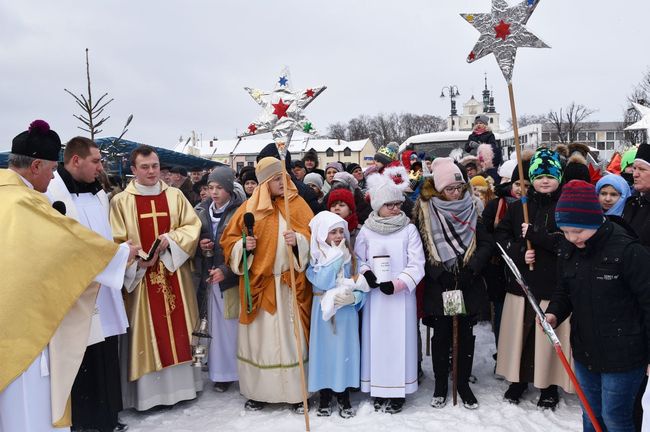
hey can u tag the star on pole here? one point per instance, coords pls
(644, 123)
(282, 108)
(502, 32)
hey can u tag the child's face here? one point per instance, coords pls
(335, 237)
(516, 188)
(218, 194)
(545, 184)
(578, 236)
(480, 195)
(390, 209)
(341, 209)
(608, 196)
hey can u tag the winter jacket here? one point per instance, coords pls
(203, 264)
(606, 288)
(544, 236)
(469, 278)
(637, 214)
(487, 137)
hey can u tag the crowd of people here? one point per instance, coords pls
(316, 280)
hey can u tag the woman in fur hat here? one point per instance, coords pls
(457, 248)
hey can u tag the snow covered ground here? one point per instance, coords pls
(214, 411)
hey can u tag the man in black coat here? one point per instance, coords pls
(637, 207)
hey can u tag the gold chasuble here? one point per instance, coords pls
(47, 293)
(162, 308)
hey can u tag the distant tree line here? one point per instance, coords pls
(384, 128)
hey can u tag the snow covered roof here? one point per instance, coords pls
(433, 137)
(321, 145)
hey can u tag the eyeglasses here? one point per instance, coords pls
(452, 189)
(392, 205)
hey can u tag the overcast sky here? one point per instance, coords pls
(181, 66)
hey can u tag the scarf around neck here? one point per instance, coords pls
(453, 229)
(386, 225)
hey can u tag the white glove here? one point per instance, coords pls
(343, 299)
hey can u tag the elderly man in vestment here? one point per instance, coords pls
(96, 393)
(267, 353)
(161, 301)
(49, 285)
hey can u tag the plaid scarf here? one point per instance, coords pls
(453, 229)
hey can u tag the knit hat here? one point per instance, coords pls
(643, 154)
(248, 175)
(545, 163)
(344, 195)
(483, 119)
(38, 142)
(388, 153)
(515, 171)
(346, 179)
(336, 165)
(445, 172)
(382, 189)
(313, 179)
(628, 158)
(223, 175)
(351, 167)
(479, 183)
(312, 156)
(578, 206)
(576, 171)
(267, 168)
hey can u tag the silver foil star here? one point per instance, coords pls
(502, 32)
(282, 108)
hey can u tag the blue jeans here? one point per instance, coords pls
(611, 396)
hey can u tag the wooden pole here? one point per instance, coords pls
(297, 324)
(520, 166)
(454, 361)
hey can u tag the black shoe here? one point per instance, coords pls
(420, 374)
(472, 379)
(324, 409)
(514, 392)
(121, 427)
(394, 405)
(467, 396)
(379, 403)
(548, 398)
(253, 405)
(222, 387)
(299, 408)
(439, 399)
(345, 409)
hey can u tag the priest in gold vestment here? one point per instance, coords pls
(161, 301)
(51, 273)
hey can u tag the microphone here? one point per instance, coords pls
(249, 221)
(59, 206)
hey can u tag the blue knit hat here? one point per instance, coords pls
(578, 206)
(545, 162)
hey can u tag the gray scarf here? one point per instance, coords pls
(386, 225)
(453, 228)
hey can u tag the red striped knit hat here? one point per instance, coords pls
(578, 206)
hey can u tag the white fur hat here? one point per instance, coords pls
(382, 189)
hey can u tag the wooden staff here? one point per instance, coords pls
(520, 166)
(297, 324)
(454, 361)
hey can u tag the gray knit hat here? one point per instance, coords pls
(223, 175)
(315, 179)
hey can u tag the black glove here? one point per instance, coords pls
(371, 279)
(387, 287)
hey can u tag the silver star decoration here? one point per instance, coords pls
(282, 108)
(502, 32)
(644, 123)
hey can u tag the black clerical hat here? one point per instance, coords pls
(39, 142)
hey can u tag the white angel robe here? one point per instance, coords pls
(389, 348)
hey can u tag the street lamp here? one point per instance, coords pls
(452, 93)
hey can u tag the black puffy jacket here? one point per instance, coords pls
(637, 214)
(606, 288)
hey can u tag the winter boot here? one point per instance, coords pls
(324, 409)
(465, 362)
(514, 392)
(439, 399)
(221, 387)
(379, 403)
(253, 405)
(299, 408)
(548, 398)
(394, 405)
(345, 409)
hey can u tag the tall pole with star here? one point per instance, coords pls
(502, 32)
(282, 114)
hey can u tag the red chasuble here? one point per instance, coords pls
(165, 298)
